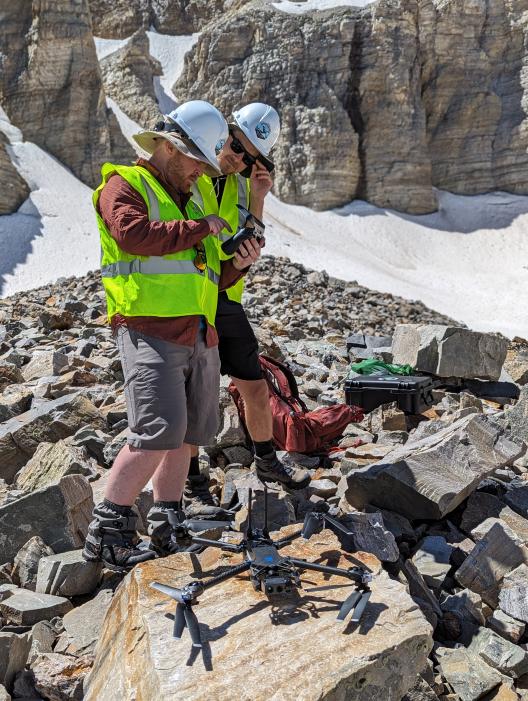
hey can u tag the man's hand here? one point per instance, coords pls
(216, 224)
(248, 252)
(261, 182)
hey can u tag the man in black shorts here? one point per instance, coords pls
(246, 180)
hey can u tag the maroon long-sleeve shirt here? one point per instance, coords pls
(126, 215)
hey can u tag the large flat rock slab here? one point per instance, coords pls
(292, 651)
(429, 478)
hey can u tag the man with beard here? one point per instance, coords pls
(161, 272)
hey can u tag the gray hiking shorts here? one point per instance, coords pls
(171, 390)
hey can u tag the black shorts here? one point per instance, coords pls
(238, 345)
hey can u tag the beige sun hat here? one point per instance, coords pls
(148, 141)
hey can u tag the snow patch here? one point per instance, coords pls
(105, 47)
(300, 8)
(170, 52)
(54, 233)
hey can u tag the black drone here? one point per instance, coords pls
(270, 572)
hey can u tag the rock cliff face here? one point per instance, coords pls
(383, 103)
(474, 86)
(120, 19)
(50, 83)
(128, 79)
(14, 188)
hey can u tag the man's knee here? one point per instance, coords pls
(254, 392)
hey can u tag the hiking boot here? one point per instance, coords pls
(271, 469)
(167, 536)
(112, 539)
(198, 502)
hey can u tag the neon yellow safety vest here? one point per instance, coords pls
(164, 286)
(236, 191)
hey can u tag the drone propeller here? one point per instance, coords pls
(174, 593)
(313, 523)
(355, 602)
(184, 615)
(204, 525)
(192, 624)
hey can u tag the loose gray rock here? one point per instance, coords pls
(370, 535)
(497, 554)
(60, 677)
(51, 462)
(449, 351)
(82, 625)
(501, 654)
(513, 597)
(59, 514)
(25, 607)
(14, 651)
(468, 674)
(432, 560)
(505, 625)
(27, 562)
(50, 421)
(67, 574)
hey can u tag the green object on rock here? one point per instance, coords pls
(372, 366)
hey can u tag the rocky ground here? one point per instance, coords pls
(437, 504)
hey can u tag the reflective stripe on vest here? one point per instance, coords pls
(156, 265)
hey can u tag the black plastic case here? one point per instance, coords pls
(413, 393)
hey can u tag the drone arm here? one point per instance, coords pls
(337, 524)
(286, 541)
(303, 565)
(231, 572)
(230, 547)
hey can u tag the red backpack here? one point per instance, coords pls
(296, 429)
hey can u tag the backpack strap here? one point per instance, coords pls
(285, 384)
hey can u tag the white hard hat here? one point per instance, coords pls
(198, 127)
(260, 123)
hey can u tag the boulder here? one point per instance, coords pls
(513, 597)
(59, 514)
(137, 656)
(60, 677)
(44, 363)
(428, 478)
(432, 560)
(27, 562)
(501, 654)
(281, 511)
(83, 624)
(67, 574)
(468, 674)
(449, 351)
(505, 625)
(51, 462)
(494, 556)
(48, 422)
(24, 608)
(14, 651)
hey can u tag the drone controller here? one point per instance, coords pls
(252, 228)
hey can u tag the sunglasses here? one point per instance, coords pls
(237, 147)
(200, 259)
